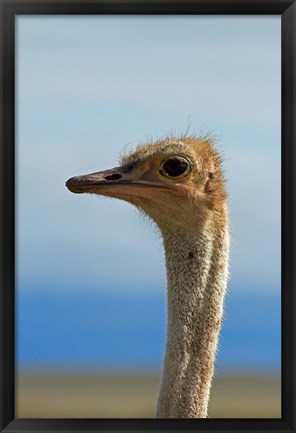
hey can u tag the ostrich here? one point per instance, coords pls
(178, 183)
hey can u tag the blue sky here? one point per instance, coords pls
(89, 86)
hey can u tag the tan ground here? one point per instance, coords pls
(113, 395)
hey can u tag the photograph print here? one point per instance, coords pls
(148, 216)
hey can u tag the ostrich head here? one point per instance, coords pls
(177, 182)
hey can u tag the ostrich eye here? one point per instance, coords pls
(175, 166)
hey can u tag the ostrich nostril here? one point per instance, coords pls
(114, 176)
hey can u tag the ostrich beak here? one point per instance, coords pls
(93, 181)
(117, 182)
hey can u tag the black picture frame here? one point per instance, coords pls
(9, 10)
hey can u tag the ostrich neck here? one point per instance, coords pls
(197, 275)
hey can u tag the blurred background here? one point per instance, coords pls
(91, 287)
